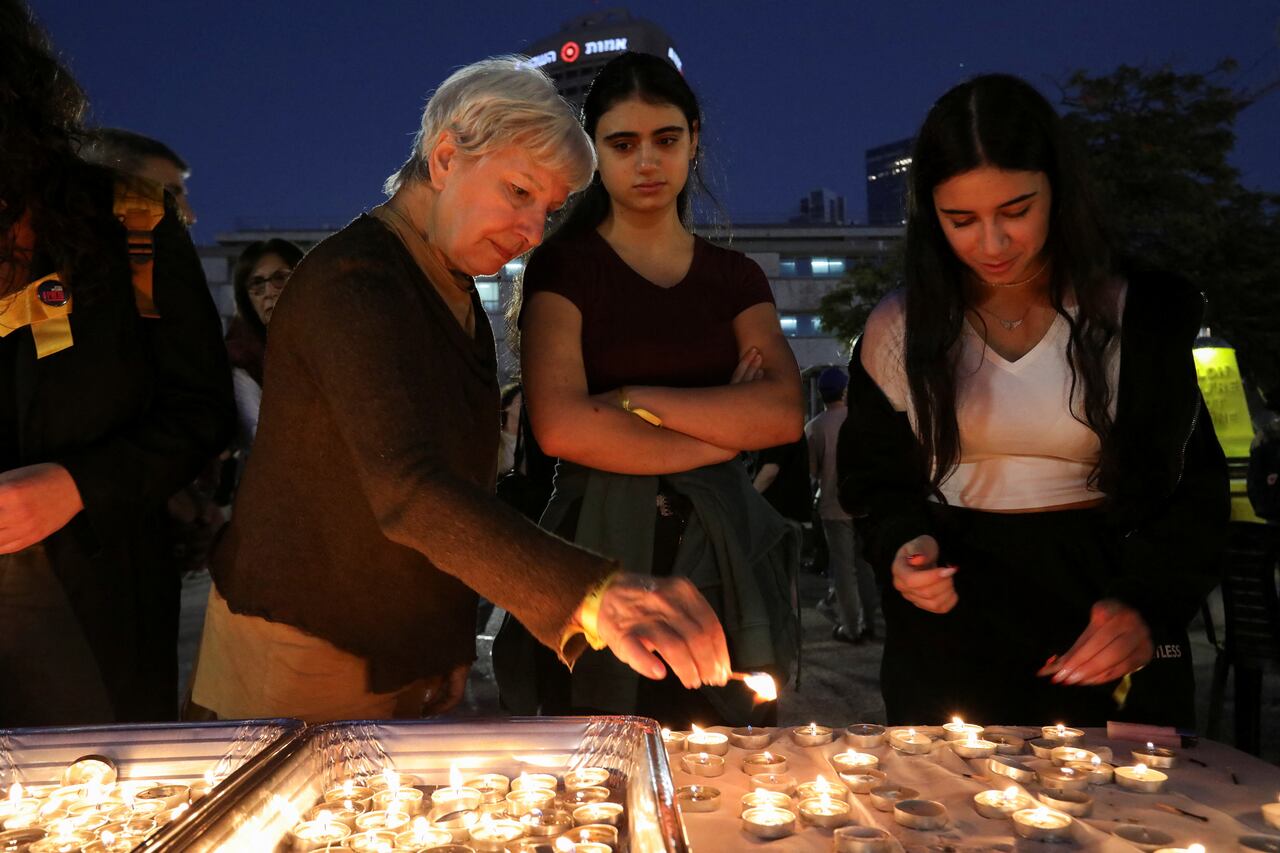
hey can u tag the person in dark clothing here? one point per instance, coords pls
(782, 476)
(366, 522)
(1027, 452)
(114, 392)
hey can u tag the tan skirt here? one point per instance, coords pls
(250, 667)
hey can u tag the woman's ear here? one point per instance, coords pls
(442, 159)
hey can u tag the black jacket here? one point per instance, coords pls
(1164, 474)
(133, 409)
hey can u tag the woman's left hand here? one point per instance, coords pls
(35, 502)
(1116, 643)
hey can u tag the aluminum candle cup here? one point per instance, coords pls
(1006, 744)
(492, 787)
(812, 735)
(1042, 748)
(764, 762)
(885, 797)
(973, 748)
(1062, 779)
(423, 834)
(864, 735)
(548, 824)
(310, 834)
(348, 790)
(97, 769)
(768, 823)
(819, 787)
(776, 799)
(1063, 735)
(910, 741)
(1098, 772)
(854, 762)
(446, 799)
(862, 783)
(712, 743)
(585, 777)
(825, 812)
(171, 795)
(691, 799)
(1143, 837)
(611, 813)
(457, 824)
(409, 800)
(1155, 756)
(1140, 778)
(492, 836)
(393, 821)
(389, 778)
(862, 839)
(374, 841)
(749, 737)
(1042, 824)
(593, 833)
(534, 782)
(1000, 805)
(702, 764)
(1065, 756)
(958, 729)
(585, 796)
(1074, 803)
(1011, 768)
(674, 741)
(781, 782)
(921, 814)
(523, 802)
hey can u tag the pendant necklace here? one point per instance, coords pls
(1009, 325)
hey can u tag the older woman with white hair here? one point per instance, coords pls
(365, 524)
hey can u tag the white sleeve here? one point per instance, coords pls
(248, 402)
(883, 349)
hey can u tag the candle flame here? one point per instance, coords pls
(704, 757)
(326, 819)
(15, 792)
(384, 847)
(911, 732)
(1011, 793)
(1067, 771)
(666, 734)
(697, 732)
(1096, 761)
(285, 808)
(348, 789)
(1151, 747)
(564, 845)
(1196, 848)
(108, 837)
(1062, 730)
(956, 721)
(973, 738)
(765, 688)
(1139, 770)
(822, 786)
(392, 778)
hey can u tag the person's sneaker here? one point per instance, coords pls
(827, 607)
(841, 635)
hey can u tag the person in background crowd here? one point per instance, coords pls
(512, 403)
(366, 522)
(115, 391)
(782, 477)
(1263, 477)
(651, 358)
(853, 585)
(135, 154)
(1027, 452)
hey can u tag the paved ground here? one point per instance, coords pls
(839, 683)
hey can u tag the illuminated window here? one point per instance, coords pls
(488, 289)
(801, 325)
(513, 268)
(818, 267)
(789, 324)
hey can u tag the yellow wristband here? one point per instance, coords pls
(591, 612)
(643, 414)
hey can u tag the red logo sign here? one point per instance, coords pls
(53, 294)
(570, 51)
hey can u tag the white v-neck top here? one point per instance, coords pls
(1020, 445)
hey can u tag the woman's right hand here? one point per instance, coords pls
(750, 367)
(917, 576)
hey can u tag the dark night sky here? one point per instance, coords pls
(294, 112)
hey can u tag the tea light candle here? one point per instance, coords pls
(1143, 837)
(768, 822)
(422, 834)
(783, 782)
(1042, 748)
(389, 778)
(864, 735)
(1000, 805)
(523, 802)
(611, 813)
(862, 783)
(674, 741)
(586, 777)
(73, 843)
(1270, 814)
(377, 841)
(712, 743)
(862, 839)
(591, 847)
(764, 762)
(1155, 756)
(593, 833)
(547, 824)
(910, 741)
(819, 787)
(109, 842)
(1065, 756)
(762, 797)
(311, 834)
(1042, 824)
(854, 762)
(534, 782)
(691, 798)
(409, 800)
(1062, 734)
(97, 769)
(492, 836)
(1074, 803)
(885, 797)
(454, 797)
(812, 735)
(492, 787)
(1062, 778)
(171, 795)
(170, 815)
(457, 824)
(824, 811)
(394, 821)
(973, 747)
(201, 789)
(750, 737)
(958, 729)
(1006, 744)
(1140, 778)
(348, 790)
(584, 796)
(702, 764)
(529, 845)
(1011, 767)
(1099, 772)
(18, 802)
(921, 814)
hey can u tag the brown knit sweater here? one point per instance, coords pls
(366, 514)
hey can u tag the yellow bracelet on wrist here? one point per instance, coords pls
(590, 619)
(645, 415)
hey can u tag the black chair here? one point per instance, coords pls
(1252, 631)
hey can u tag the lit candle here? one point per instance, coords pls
(958, 729)
(1000, 805)
(171, 795)
(768, 822)
(341, 812)
(348, 789)
(608, 813)
(1062, 778)
(17, 802)
(1064, 735)
(523, 802)
(92, 768)
(403, 799)
(764, 762)
(320, 832)
(862, 839)
(674, 741)
(421, 834)
(862, 782)
(784, 782)
(820, 787)
(1140, 778)
(593, 833)
(824, 811)
(109, 842)
(885, 797)
(492, 836)
(393, 821)
(375, 841)
(921, 814)
(702, 764)
(492, 787)
(1143, 837)
(1099, 772)
(170, 815)
(589, 777)
(973, 747)
(452, 798)
(1271, 814)
(712, 743)
(853, 762)
(458, 824)
(910, 741)
(1155, 756)
(1074, 803)
(812, 735)
(1042, 824)
(864, 735)
(534, 782)
(762, 797)
(547, 823)
(1064, 756)
(694, 798)
(749, 737)
(389, 778)
(584, 796)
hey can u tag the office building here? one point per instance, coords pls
(887, 183)
(821, 207)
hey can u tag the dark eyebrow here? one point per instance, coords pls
(631, 134)
(1012, 201)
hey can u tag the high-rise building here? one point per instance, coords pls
(887, 182)
(572, 56)
(821, 207)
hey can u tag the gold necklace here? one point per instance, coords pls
(1017, 283)
(1009, 325)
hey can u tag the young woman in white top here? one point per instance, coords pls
(1046, 519)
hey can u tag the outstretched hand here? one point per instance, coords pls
(1116, 643)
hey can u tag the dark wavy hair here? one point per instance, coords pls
(41, 109)
(288, 252)
(999, 120)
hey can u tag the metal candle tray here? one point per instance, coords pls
(293, 780)
(180, 752)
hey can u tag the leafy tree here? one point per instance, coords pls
(843, 311)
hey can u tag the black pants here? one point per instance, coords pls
(1026, 583)
(48, 675)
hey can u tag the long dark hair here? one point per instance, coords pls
(41, 109)
(999, 120)
(288, 252)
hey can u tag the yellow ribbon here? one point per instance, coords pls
(50, 324)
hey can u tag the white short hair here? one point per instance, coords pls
(495, 103)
